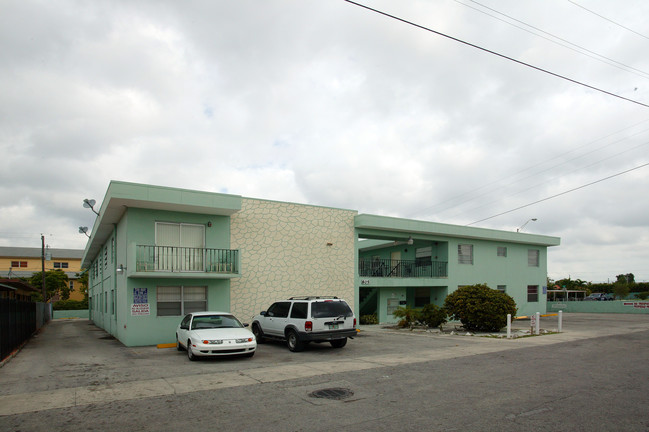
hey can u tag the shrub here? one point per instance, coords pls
(642, 295)
(70, 305)
(369, 319)
(432, 315)
(408, 315)
(479, 307)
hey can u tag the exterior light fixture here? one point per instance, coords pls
(89, 203)
(528, 221)
(121, 269)
(84, 230)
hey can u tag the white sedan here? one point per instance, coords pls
(214, 334)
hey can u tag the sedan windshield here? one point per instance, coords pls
(215, 321)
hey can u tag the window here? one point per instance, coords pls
(465, 254)
(60, 265)
(532, 293)
(181, 300)
(279, 309)
(502, 288)
(299, 310)
(18, 263)
(533, 257)
(502, 251)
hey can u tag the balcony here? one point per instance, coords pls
(402, 268)
(171, 259)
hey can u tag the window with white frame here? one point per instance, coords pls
(181, 300)
(502, 288)
(533, 257)
(502, 251)
(465, 254)
(60, 265)
(532, 293)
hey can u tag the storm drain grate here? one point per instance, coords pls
(337, 393)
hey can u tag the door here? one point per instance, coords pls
(395, 261)
(179, 247)
(276, 318)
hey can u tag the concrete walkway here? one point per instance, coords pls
(421, 347)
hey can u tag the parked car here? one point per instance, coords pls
(214, 334)
(600, 297)
(300, 320)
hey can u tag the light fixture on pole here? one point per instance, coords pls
(528, 221)
(84, 230)
(89, 203)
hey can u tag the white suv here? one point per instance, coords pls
(300, 320)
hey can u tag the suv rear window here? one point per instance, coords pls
(330, 309)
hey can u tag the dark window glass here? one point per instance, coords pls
(532, 293)
(279, 309)
(299, 310)
(328, 309)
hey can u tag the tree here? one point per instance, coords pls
(56, 282)
(623, 285)
(82, 279)
(479, 307)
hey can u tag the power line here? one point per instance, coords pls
(513, 177)
(560, 194)
(584, 51)
(496, 53)
(609, 20)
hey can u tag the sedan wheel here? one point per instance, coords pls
(179, 347)
(190, 353)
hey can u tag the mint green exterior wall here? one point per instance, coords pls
(68, 314)
(617, 306)
(112, 293)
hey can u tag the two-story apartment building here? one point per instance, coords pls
(407, 262)
(157, 253)
(23, 262)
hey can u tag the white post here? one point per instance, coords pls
(537, 328)
(509, 326)
(560, 321)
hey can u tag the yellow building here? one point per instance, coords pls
(18, 262)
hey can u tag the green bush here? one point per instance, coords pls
(408, 315)
(70, 305)
(479, 307)
(642, 295)
(432, 315)
(369, 319)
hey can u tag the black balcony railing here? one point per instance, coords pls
(402, 268)
(185, 259)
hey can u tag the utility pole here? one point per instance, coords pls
(43, 267)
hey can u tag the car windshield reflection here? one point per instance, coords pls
(215, 321)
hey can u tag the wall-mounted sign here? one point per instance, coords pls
(637, 305)
(140, 309)
(140, 304)
(365, 282)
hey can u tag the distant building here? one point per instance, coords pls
(158, 253)
(23, 262)
(15, 289)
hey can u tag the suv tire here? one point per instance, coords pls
(259, 334)
(339, 343)
(293, 341)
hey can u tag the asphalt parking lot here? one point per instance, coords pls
(72, 364)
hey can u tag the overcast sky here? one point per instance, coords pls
(327, 103)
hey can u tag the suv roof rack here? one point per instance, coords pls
(312, 297)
